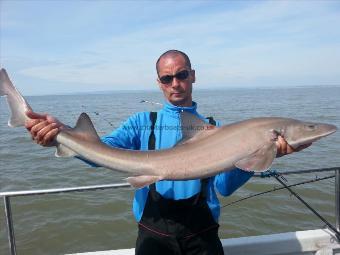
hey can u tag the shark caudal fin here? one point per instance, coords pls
(17, 104)
(84, 130)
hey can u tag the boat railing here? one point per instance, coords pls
(10, 194)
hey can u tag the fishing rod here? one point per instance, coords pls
(270, 172)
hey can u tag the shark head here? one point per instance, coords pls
(299, 133)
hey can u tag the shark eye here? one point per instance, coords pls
(310, 127)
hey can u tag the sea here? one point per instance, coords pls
(102, 220)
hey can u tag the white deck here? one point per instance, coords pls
(318, 242)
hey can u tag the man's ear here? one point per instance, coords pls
(159, 84)
(193, 76)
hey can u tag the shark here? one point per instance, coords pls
(204, 150)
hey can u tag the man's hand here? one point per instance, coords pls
(283, 148)
(43, 128)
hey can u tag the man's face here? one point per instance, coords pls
(178, 90)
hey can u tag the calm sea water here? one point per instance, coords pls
(101, 220)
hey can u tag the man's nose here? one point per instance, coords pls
(175, 82)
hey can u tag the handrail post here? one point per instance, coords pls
(10, 229)
(337, 200)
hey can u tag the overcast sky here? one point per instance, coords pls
(53, 47)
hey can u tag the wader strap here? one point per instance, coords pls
(152, 139)
(204, 182)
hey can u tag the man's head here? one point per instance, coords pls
(175, 77)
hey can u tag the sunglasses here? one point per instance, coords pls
(182, 75)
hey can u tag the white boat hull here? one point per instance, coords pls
(318, 242)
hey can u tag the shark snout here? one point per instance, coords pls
(329, 129)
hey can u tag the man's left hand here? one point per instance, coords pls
(283, 148)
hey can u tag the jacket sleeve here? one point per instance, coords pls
(226, 183)
(126, 136)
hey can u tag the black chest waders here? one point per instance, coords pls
(177, 227)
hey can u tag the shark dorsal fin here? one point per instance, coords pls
(193, 128)
(84, 130)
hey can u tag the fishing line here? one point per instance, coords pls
(150, 102)
(97, 113)
(276, 189)
(280, 179)
(109, 122)
(337, 233)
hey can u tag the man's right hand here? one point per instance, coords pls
(43, 128)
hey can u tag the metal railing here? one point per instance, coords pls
(337, 200)
(7, 202)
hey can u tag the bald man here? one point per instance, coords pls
(174, 217)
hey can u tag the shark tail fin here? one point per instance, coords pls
(17, 104)
(83, 130)
(3, 78)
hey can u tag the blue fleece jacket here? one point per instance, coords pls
(134, 134)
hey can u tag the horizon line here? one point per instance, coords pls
(112, 91)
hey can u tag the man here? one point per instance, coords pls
(175, 217)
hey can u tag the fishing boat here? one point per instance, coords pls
(325, 241)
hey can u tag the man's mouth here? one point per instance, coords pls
(176, 93)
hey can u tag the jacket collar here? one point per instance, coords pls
(173, 109)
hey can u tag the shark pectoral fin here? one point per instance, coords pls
(142, 181)
(63, 151)
(260, 160)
